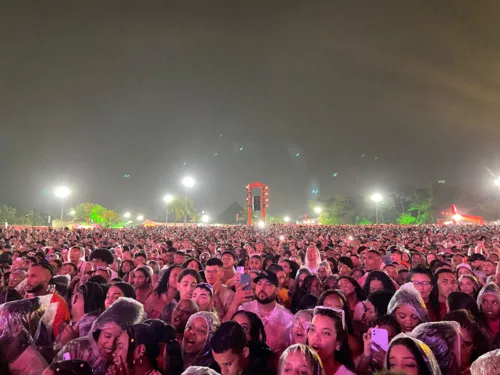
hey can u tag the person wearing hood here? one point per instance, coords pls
(196, 349)
(487, 364)
(87, 303)
(488, 302)
(411, 356)
(107, 335)
(443, 338)
(408, 307)
(20, 326)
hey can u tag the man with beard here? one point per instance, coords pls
(184, 309)
(37, 283)
(143, 277)
(277, 319)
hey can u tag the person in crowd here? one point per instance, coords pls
(487, 364)
(378, 280)
(324, 271)
(300, 359)
(352, 291)
(276, 318)
(187, 281)
(447, 282)
(164, 294)
(423, 280)
(16, 278)
(37, 284)
(443, 338)
(125, 268)
(469, 284)
(76, 256)
(256, 263)
(460, 300)
(312, 259)
(196, 347)
(223, 296)
(203, 296)
(70, 269)
(143, 282)
(331, 282)
(408, 307)
(328, 337)
(376, 305)
(231, 352)
(180, 316)
(256, 337)
(228, 262)
(488, 301)
(118, 290)
(312, 285)
(102, 259)
(410, 356)
(372, 262)
(107, 335)
(301, 323)
(345, 266)
(475, 341)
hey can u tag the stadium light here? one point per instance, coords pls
(318, 210)
(205, 218)
(188, 182)
(261, 224)
(140, 218)
(377, 198)
(126, 215)
(62, 192)
(286, 219)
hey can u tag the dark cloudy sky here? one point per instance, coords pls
(90, 91)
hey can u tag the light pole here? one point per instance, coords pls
(167, 199)
(188, 182)
(73, 213)
(376, 198)
(62, 192)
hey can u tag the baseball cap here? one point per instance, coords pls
(268, 275)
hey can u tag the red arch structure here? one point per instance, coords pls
(264, 202)
(457, 217)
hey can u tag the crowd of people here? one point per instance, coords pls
(239, 300)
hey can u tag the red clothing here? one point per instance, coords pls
(56, 312)
(432, 315)
(443, 310)
(493, 327)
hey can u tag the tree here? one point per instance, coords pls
(83, 211)
(7, 214)
(423, 205)
(406, 219)
(178, 207)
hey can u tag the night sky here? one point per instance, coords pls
(91, 91)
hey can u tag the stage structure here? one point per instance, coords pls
(257, 202)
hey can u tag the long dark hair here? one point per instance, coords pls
(345, 306)
(407, 342)
(382, 277)
(380, 299)
(257, 331)
(163, 282)
(360, 295)
(463, 301)
(93, 296)
(434, 296)
(344, 354)
(482, 343)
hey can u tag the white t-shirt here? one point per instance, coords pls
(344, 371)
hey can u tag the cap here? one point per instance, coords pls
(268, 275)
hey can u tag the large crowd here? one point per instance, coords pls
(239, 300)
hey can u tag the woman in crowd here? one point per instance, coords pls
(423, 280)
(469, 284)
(352, 291)
(411, 356)
(194, 264)
(328, 337)
(118, 290)
(488, 301)
(376, 305)
(312, 285)
(331, 282)
(256, 336)
(408, 308)
(460, 300)
(300, 359)
(196, 348)
(324, 271)
(108, 335)
(378, 280)
(299, 291)
(443, 338)
(475, 341)
(301, 323)
(164, 293)
(125, 268)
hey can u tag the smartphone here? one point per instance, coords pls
(245, 278)
(381, 337)
(240, 270)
